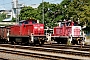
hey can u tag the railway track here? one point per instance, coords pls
(4, 59)
(30, 54)
(64, 46)
(38, 54)
(52, 50)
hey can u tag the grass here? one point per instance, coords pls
(88, 37)
(87, 40)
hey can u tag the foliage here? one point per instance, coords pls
(2, 16)
(28, 12)
(78, 9)
(49, 14)
(51, 11)
(67, 9)
(13, 19)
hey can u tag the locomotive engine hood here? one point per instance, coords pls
(76, 31)
(38, 29)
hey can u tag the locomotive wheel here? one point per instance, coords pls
(64, 41)
(6, 42)
(41, 42)
(58, 42)
(13, 42)
(26, 43)
(75, 42)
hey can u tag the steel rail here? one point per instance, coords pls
(42, 55)
(53, 50)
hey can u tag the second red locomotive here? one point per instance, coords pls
(68, 31)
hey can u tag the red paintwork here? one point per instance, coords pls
(68, 30)
(62, 31)
(38, 29)
(15, 30)
(65, 30)
(27, 27)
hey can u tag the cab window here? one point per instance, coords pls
(26, 22)
(33, 22)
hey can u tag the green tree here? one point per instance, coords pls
(77, 9)
(13, 19)
(51, 14)
(67, 9)
(28, 12)
(2, 16)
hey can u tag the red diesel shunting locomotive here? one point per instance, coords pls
(26, 32)
(68, 31)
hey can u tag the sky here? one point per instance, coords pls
(7, 4)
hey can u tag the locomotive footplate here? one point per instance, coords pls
(17, 36)
(78, 40)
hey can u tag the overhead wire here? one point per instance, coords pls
(23, 1)
(5, 3)
(55, 0)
